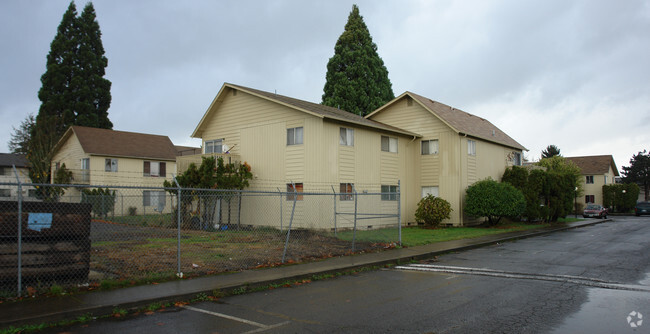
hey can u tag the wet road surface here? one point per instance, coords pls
(588, 280)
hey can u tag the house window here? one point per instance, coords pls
(605, 179)
(57, 166)
(346, 137)
(389, 144)
(471, 147)
(154, 168)
(5, 192)
(111, 165)
(294, 188)
(294, 136)
(590, 198)
(590, 179)
(153, 198)
(430, 147)
(516, 159)
(429, 191)
(4, 171)
(31, 193)
(85, 169)
(346, 191)
(214, 146)
(388, 193)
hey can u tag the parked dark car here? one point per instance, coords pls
(595, 210)
(642, 208)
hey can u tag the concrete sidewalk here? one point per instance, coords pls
(43, 310)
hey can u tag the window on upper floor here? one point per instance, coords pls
(31, 193)
(346, 190)
(605, 180)
(429, 147)
(295, 136)
(214, 146)
(154, 168)
(346, 137)
(388, 193)
(5, 171)
(471, 147)
(589, 179)
(389, 144)
(590, 198)
(110, 165)
(516, 159)
(5, 192)
(294, 188)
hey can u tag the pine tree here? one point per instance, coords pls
(19, 142)
(93, 90)
(74, 90)
(550, 151)
(356, 80)
(639, 172)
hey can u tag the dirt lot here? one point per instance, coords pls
(131, 252)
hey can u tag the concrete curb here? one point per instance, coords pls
(51, 310)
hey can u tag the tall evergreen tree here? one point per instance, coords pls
(93, 90)
(73, 91)
(356, 80)
(19, 142)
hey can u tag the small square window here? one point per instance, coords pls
(111, 165)
(294, 188)
(346, 137)
(590, 198)
(589, 179)
(294, 136)
(429, 191)
(214, 146)
(389, 144)
(5, 192)
(388, 193)
(346, 190)
(430, 147)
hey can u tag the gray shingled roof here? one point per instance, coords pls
(594, 164)
(10, 159)
(325, 111)
(467, 123)
(106, 142)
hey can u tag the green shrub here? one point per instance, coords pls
(132, 210)
(102, 200)
(620, 197)
(432, 210)
(494, 200)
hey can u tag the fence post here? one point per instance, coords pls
(178, 218)
(280, 193)
(20, 230)
(335, 230)
(399, 211)
(354, 232)
(293, 209)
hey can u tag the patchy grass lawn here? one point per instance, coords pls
(415, 236)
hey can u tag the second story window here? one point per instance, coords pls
(110, 165)
(430, 147)
(388, 144)
(346, 137)
(516, 159)
(589, 179)
(471, 147)
(294, 136)
(214, 146)
(154, 168)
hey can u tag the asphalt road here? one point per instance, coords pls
(588, 280)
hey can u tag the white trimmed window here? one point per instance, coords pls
(429, 191)
(214, 146)
(516, 159)
(153, 198)
(154, 168)
(388, 193)
(294, 136)
(471, 147)
(346, 137)
(430, 147)
(589, 179)
(389, 144)
(110, 165)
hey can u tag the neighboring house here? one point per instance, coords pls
(455, 150)
(7, 175)
(102, 157)
(597, 171)
(297, 145)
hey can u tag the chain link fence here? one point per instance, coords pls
(74, 235)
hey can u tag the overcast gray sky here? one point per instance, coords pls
(575, 74)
